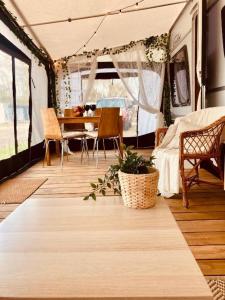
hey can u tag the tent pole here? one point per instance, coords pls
(110, 13)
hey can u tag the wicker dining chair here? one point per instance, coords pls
(108, 128)
(52, 132)
(195, 147)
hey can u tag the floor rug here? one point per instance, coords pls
(15, 191)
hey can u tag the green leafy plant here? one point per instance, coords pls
(131, 163)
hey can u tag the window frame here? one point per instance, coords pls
(7, 47)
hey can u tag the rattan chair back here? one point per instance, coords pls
(205, 141)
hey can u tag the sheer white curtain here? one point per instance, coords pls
(69, 88)
(148, 95)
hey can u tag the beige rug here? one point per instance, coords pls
(15, 191)
(218, 289)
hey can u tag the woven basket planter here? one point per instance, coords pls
(139, 190)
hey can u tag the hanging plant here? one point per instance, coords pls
(62, 67)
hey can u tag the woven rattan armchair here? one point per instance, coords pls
(195, 147)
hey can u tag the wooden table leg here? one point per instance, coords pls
(121, 135)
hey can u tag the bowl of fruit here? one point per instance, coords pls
(78, 111)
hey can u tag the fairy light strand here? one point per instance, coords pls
(119, 11)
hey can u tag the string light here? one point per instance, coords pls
(103, 19)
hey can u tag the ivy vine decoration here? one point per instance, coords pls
(153, 43)
(57, 105)
(157, 48)
(62, 74)
(166, 102)
(66, 81)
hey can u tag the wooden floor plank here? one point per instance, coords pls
(205, 238)
(4, 214)
(209, 252)
(202, 225)
(200, 216)
(212, 267)
(198, 208)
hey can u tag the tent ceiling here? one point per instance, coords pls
(66, 38)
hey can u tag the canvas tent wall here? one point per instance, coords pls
(10, 127)
(61, 28)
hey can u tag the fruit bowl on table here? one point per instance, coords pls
(78, 111)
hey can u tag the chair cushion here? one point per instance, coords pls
(73, 134)
(92, 134)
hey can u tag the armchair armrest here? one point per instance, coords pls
(159, 135)
(203, 142)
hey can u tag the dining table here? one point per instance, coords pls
(82, 120)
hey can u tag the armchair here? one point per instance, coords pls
(179, 159)
(197, 146)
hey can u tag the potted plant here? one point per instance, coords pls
(133, 177)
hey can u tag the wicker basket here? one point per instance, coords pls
(139, 190)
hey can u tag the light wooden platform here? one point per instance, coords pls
(202, 224)
(70, 248)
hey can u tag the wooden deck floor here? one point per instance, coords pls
(203, 224)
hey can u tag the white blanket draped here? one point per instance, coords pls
(167, 153)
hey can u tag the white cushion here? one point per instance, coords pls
(73, 134)
(92, 134)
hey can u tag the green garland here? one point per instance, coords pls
(166, 101)
(153, 46)
(157, 45)
(159, 42)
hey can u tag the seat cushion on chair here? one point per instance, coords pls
(92, 134)
(73, 134)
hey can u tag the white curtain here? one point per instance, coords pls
(75, 82)
(150, 79)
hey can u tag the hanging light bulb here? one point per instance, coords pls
(120, 11)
